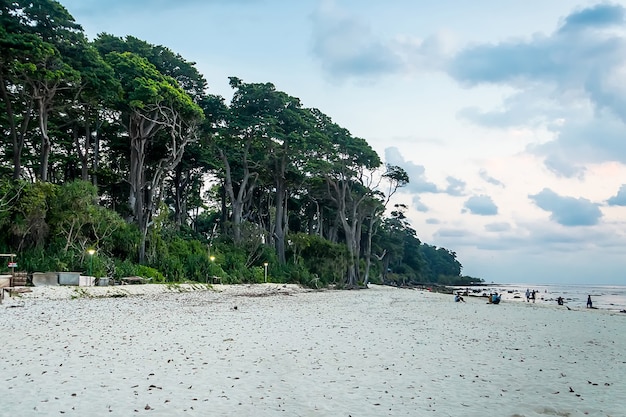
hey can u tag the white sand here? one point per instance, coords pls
(290, 352)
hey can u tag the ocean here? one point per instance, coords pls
(606, 297)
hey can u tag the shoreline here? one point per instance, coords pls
(482, 292)
(609, 297)
(59, 292)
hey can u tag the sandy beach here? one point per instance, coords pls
(268, 350)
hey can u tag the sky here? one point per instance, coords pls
(508, 116)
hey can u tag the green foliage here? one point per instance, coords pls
(124, 268)
(42, 260)
(123, 242)
(182, 259)
(439, 262)
(29, 224)
(144, 87)
(55, 258)
(233, 258)
(458, 280)
(325, 261)
(129, 269)
(72, 211)
(297, 274)
(9, 194)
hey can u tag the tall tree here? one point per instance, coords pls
(92, 100)
(152, 103)
(241, 147)
(351, 188)
(395, 177)
(18, 101)
(195, 161)
(398, 247)
(44, 31)
(199, 159)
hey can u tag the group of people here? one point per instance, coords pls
(530, 295)
(494, 298)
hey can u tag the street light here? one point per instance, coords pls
(265, 265)
(212, 259)
(90, 251)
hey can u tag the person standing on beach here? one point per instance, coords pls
(589, 303)
(533, 295)
(527, 295)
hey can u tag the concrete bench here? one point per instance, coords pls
(44, 279)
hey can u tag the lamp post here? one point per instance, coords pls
(265, 266)
(90, 251)
(212, 259)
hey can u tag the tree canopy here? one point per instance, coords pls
(116, 145)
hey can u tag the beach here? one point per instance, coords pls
(273, 349)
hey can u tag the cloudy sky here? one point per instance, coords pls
(508, 115)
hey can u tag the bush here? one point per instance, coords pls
(41, 260)
(325, 261)
(129, 269)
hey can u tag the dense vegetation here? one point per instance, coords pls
(115, 145)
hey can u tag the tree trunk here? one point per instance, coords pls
(17, 136)
(84, 169)
(44, 99)
(148, 191)
(385, 272)
(368, 252)
(83, 155)
(351, 224)
(224, 216)
(137, 182)
(235, 204)
(350, 233)
(96, 153)
(279, 230)
(244, 193)
(46, 146)
(179, 186)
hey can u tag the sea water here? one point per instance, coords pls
(607, 297)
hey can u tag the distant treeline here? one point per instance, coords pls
(115, 145)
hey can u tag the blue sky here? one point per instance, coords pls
(509, 116)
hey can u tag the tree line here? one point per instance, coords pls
(116, 145)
